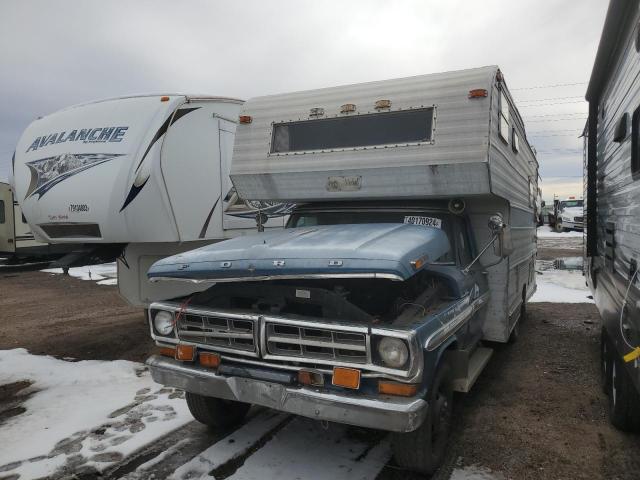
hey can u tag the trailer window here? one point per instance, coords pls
(2, 215)
(504, 117)
(515, 141)
(390, 128)
(635, 143)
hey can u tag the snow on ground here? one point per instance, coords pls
(474, 473)
(82, 415)
(546, 231)
(561, 286)
(103, 274)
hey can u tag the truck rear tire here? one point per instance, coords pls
(605, 362)
(215, 412)
(624, 399)
(558, 227)
(423, 449)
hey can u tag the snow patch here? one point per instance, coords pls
(546, 231)
(561, 286)
(474, 473)
(102, 274)
(86, 414)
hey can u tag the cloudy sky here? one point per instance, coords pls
(54, 54)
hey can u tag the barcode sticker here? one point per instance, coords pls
(424, 221)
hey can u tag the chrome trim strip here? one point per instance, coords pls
(438, 337)
(386, 276)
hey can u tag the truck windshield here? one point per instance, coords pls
(427, 219)
(570, 203)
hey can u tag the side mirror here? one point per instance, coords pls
(502, 231)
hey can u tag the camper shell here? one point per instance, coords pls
(612, 207)
(135, 178)
(411, 240)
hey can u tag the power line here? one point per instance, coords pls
(556, 120)
(552, 103)
(553, 98)
(534, 87)
(556, 114)
(576, 135)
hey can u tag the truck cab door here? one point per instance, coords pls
(7, 228)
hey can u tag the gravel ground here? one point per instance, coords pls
(537, 411)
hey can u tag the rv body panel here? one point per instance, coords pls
(612, 182)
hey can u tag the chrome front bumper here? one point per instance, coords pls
(384, 412)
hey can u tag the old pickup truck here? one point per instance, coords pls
(407, 248)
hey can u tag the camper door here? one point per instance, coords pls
(7, 230)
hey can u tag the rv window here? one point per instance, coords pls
(504, 117)
(391, 128)
(635, 142)
(621, 129)
(2, 216)
(515, 141)
(24, 220)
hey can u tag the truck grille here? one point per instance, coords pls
(232, 333)
(315, 343)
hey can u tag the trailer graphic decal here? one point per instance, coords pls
(48, 172)
(84, 135)
(174, 117)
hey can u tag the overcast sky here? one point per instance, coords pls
(54, 54)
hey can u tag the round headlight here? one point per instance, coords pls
(163, 322)
(393, 352)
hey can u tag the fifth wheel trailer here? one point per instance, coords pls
(135, 178)
(612, 193)
(17, 242)
(369, 308)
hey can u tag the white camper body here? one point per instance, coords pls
(147, 175)
(16, 238)
(359, 142)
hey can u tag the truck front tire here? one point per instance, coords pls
(423, 449)
(215, 412)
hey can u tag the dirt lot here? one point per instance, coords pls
(537, 412)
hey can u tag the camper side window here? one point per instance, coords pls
(635, 143)
(515, 141)
(504, 117)
(2, 217)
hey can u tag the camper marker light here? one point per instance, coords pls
(348, 107)
(478, 93)
(346, 377)
(380, 104)
(163, 322)
(393, 352)
(245, 119)
(164, 99)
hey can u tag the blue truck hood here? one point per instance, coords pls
(384, 250)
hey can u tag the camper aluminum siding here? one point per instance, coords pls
(613, 187)
(456, 161)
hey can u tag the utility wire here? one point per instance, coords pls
(556, 114)
(552, 98)
(557, 120)
(552, 103)
(535, 87)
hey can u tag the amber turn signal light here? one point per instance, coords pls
(186, 353)
(164, 99)
(211, 360)
(346, 377)
(478, 93)
(245, 119)
(399, 389)
(168, 352)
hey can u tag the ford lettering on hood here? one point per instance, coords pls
(393, 251)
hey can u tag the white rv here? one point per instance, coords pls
(15, 235)
(135, 178)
